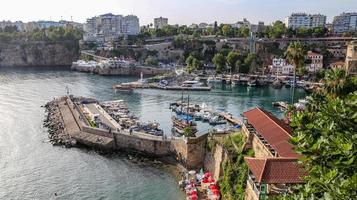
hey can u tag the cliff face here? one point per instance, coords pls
(38, 53)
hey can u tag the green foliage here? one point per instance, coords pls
(232, 59)
(233, 182)
(151, 61)
(326, 134)
(277, 30)
(227, 31)
(219, 61)
(189, 131)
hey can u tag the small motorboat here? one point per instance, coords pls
(217, 120)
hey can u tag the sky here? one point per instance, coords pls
(178, 11)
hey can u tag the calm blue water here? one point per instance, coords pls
(31, 168)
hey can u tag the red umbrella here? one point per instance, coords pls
(212, 180)
(193, 197)
(216, 192)
(205, 181)
(207, 174)
(194, 192)
(213, 187)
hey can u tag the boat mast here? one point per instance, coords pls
(181, 101)
(188, 106)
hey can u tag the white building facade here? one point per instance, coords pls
(303, 20)
(346, 22)
(160, 22)
(280, 67)
(317, 62)
(109, 27)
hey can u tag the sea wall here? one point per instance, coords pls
(190, 151)
(156, 147)
(38, 53)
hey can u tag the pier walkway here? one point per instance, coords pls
(230, 118)
(73, 129)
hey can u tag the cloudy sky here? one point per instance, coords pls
(178, 11)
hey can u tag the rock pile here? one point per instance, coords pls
(55, 126)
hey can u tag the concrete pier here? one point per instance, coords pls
(186, 150)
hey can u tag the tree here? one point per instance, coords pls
(295, 55)
(325, 134)
(197, 64)
(219, 61)
(232, 58)
(337, 84)
(151, 61)
(227, 31)
(277, 30)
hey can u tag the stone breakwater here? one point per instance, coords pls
(55, 125)
(67, 125)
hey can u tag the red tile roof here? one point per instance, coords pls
(276, 132)
(275, 170)
(311, 53)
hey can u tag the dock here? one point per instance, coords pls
(230, 118)
(138, 85)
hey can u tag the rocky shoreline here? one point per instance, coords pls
(55, 126)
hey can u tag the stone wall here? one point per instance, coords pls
(149, 146)
(214, 160)
(259, 149)
(25, 53)
(190, 151)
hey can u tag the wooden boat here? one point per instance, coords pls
(179, 125)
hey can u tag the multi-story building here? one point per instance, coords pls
(109, 27)
(351, 59)
(131, 25)
(303, 20)
(338, 65)
(160, 22)
(317, 62)
(280, 67)
(346, 22)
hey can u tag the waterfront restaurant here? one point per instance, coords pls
(272, 176)
(274, 168)
(268, 135)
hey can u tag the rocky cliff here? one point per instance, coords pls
(38, 53)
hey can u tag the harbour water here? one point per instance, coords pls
(31, 168)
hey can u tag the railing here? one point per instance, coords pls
(254, 185)
(266, 144)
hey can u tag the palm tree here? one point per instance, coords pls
(295, 55)
(335, 82)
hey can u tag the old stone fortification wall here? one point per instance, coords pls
(23, 53)
(214, 159)
(147, 145)
(190, 151)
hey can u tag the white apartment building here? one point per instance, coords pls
(316, 62)
(303, 20)
(131, 25)
(346, 22)
(109, 27)
(281, 67)
(160, 22)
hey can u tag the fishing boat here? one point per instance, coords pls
(181, 122)
(123, 88)
(280, 104)
(252, 83)
(217, 120)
